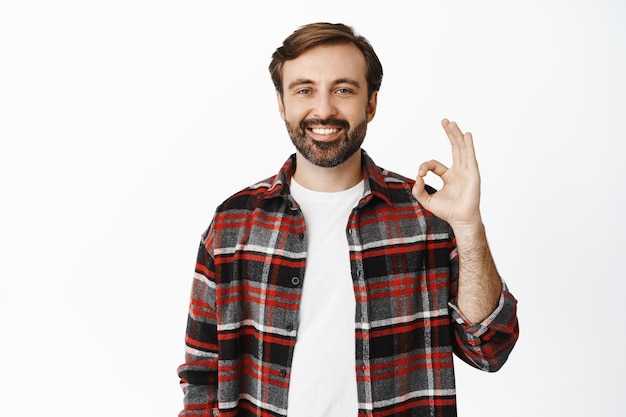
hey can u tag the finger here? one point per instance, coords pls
(421, 194)
(464, 143)
(469, 150)
(419, 190)
(455, 136)
(433, 166)
(452, 129)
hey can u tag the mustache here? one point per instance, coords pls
(325, 122)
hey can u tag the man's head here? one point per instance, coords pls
(327, 80)
(315, 34)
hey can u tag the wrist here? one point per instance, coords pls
(468, 229)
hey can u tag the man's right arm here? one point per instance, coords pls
(198, 375)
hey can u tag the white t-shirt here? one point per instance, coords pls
(323, 375)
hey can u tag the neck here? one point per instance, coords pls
(339, 178)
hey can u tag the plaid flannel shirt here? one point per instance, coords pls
(243, 317)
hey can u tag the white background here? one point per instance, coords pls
(124, 123)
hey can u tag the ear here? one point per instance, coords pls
(281, 105)
(371, 106)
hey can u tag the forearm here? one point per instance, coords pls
(480, 285)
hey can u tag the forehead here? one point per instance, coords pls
(326, 63)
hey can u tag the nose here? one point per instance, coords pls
(324, 106)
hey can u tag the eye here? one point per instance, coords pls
(303, 92)
(343, 91)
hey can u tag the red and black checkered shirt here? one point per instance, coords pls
(243, 316)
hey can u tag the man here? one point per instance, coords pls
(338, 288)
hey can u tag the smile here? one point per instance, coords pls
(324, 131)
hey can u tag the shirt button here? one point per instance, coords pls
(295, 281)
(300, 236)
(289, 327)
(283, 373)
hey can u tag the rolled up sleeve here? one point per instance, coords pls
(487, 345)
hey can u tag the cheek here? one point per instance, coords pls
(357, 112)
(292, 114)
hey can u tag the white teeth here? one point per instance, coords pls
(324, 131)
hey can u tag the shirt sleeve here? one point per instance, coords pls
(198, 374)
(487, 345)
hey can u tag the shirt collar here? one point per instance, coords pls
(374, 177)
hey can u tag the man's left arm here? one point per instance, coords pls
(482, 305)
(484, 333)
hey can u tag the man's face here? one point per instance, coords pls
(325, 104)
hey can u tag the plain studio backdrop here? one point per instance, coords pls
(124, 123)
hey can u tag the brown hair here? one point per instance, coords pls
(315, 34)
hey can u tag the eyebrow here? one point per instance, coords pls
(306, 81)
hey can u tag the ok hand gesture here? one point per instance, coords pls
(458, 201)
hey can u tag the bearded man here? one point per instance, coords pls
(336, 287)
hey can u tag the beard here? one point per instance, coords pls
(327, 154)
